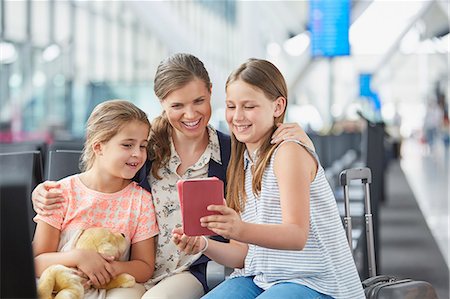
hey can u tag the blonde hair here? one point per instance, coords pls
(173, 73)
(267, 78)
(105, 121)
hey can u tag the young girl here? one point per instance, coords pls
(104, 196)
(287, 239)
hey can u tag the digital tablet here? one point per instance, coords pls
(195, 196)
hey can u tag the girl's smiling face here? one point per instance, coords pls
(126, 152)
(250, 114)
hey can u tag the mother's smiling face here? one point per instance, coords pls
(188, 108)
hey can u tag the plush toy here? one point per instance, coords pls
(67, 284)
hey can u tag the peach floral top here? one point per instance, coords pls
(129, 211)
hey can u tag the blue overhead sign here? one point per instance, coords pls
(365, 91)
(364, 85)
(329, 22)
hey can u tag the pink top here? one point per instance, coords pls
(129, 211)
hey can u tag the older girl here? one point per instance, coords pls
(287, 239)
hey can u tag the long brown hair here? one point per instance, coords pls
(266, 77)
(105, 121)
(173, 73)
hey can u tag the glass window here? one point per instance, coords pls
(114, 48)
(127, 49)
(62, 22)
(81, 43)
(100, 48)
(15, 20)
(40, 23)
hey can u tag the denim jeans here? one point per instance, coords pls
(245, 288)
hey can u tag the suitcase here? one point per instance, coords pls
(378, 286)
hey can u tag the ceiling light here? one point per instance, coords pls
(8, 53)
(273, 49)
(51, 52)
(296, 45)
(39, 79)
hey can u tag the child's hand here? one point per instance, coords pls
(187, 244)
(229, 224)
(96, 266)
(87, 283)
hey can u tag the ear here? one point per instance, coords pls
(98, 148)
(280, 106)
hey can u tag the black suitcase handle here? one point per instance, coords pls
(348, 175)
(365, 175)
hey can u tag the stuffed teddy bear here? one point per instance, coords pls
(67, 284)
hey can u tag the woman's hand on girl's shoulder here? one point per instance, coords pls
(291, 131)
(46, 197)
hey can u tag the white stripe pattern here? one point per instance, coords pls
(325, 264)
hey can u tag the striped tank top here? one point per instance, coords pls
(325, 264)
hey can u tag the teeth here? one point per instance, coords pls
(192, 123)
(241, 128)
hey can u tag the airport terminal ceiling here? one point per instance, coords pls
(60, 58)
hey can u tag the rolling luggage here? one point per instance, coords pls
(378, 286)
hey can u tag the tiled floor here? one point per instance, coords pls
(427, 172)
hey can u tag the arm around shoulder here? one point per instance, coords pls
(46, 197)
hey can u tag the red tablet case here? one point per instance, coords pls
(195, 196)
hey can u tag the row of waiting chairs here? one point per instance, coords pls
(42, 146)
(20, 172)
(25, 168)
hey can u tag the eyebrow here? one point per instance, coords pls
(132, 139)
(244, 102)
(198, 98)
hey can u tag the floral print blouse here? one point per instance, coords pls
(169, 260)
